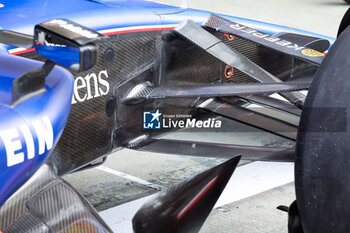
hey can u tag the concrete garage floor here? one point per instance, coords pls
(128, 175)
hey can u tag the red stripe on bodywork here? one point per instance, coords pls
(23, 51)
(110, 33)
(137, 30)
(197, 198)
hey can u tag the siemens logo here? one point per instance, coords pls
(11, 139)
(83, 90)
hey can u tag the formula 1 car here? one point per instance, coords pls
(132, 62)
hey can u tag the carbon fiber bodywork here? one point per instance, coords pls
(46, 203)
(88, 133)
(159, 57)
(101, 121)
(220, 70)
(184, 207)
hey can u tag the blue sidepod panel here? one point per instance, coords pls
(30, 130)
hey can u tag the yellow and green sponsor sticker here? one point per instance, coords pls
(312, 53)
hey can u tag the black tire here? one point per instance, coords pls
(345, 22)
(322, 167)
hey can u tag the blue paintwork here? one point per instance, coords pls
(22, 15)
(55, 103)
(66, 56)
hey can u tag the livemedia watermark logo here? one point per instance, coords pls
(157, 120)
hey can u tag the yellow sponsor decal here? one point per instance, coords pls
(312, 53)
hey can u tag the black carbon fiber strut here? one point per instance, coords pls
(211, 44)
(251, 118)
(144, 92)
(274, 103)
(217, 150)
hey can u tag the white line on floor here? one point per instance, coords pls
(247, 181)
(119, 218)
(255, 178)
(129, 177)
